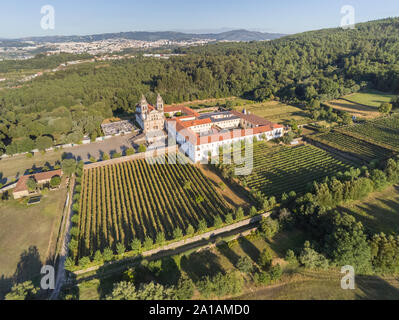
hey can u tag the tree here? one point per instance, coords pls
(239, 213)
(55, 181)
(218, 223)
(190, 230)
(108, 254)
(123, 291)
(269, 227)
(160, 239)
(44, 142)
(31, 184)
(84, 262)
(22, 291)
(202, 225)
(130, 151)
(177, 234)
(276, 272)
(266, 258)
(245, 265)
(291, 258)
(142, 148)
(136, 245)
(311, 259)
(68, 166)
(98, 257)
(185, 289)
(120, 249)
(148, 243)
(347, 243)
(253, 212)
(262, 278)
(385, 108)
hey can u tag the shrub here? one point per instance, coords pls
(190, 230)
(245, 265)
(240, 214)
(262, 278)
(218, 223)
(311, 259)
(120, 248)
(98, 257)
(177, 234)
(136, 246)
(266, 259)
(84, 262)
(269, 227)
(148, 243)
(160, 239)
(185, 289)
(108, 254)
(276, 272)
(291, 258)
(202, 225)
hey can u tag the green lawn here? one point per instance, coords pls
(379, 213)
(28, 236)
(371, 98)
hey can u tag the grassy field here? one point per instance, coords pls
(136, 199)
(276, 111)
(379, 212)
(372, 98)
(16, 166)
(28, 236)
(283, 169)
(355, 109)
(326, 285)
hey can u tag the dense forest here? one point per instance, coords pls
(318, 65)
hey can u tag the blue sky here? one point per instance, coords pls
(19, 18)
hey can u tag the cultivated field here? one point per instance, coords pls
(371, 98)
(359, 148)
(136, 199)
(383, 131)
(284, 169)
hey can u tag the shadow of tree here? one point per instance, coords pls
(228, 253)
(249, 248)
(376, 288)
(200, 264)
(28, 269)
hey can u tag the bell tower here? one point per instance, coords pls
(160, 104)
(143, 105)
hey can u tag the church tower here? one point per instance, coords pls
(144, 105)
(160, 104)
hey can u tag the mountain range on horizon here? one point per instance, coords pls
(233, 35)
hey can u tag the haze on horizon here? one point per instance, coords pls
(21, 18)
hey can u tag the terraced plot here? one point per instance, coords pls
(358, 148)
(284, 169)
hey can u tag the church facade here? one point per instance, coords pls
(150, 118)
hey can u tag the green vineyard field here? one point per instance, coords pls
(359, 148)
(284, 169)
(383, 131)
(136, 199)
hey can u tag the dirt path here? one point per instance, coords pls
(234, 197)
(61, 274)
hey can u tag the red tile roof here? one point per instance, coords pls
(39, 177)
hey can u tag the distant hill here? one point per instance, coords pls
(235, 35)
